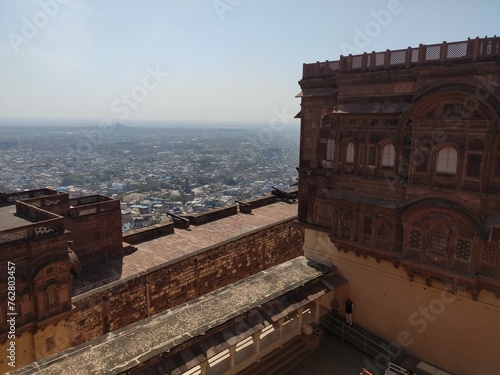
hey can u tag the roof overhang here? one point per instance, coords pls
(322, 91)
(362, 199)
(197, 324)
(370, 108)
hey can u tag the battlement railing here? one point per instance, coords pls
(10, 198)
(469, 50)
(89, 199)
(49, 226)
(95, 207)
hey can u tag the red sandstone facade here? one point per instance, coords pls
(57, 236)
(399, 188)
(400, 159)
(49, 236)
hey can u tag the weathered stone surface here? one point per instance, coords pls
(119, 351)
(174, 269)
(374, 135)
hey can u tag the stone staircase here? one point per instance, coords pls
(283, 359)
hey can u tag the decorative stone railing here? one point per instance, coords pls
(261, 201)
(32, 231)
(209, 216)
(88, 200)
(95, 208)
(329, 164)
(145, 234)
(464, 51)
(9, 198)
(47, 202)
(454, 124)
(33, 213)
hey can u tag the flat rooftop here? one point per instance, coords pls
(125, 348)
(185, 242)
(8, 220)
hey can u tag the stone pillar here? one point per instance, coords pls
(203, 367)
(475, 49)
(387, 58)
(299, 319)
(232, 355)
(256, 339)
(408, 57)
(443, 53)
(280, 332)
(421, 53)
(317, 307)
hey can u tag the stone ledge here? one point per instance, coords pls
(148, 233)
(209, 216)
(120, 350)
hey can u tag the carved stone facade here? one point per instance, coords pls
(400, 159)
(399, 188)
(45, 248)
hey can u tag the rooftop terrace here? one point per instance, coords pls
(470, 50)
(22, 221)
(185, 242)
(8, 220)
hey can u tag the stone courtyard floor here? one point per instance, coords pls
(333, 357)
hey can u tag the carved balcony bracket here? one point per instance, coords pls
(396, 263)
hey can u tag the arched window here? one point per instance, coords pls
(388, 156)
(52, 297)
(345, 225)
(446, 162)
(349, 153)
(383, 231)
(345, 222)
(438, 239)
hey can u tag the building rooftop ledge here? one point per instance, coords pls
(121, 349)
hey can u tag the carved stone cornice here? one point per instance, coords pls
(365, 252)
(454, 281)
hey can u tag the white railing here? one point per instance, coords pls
(358, 339)
(394, 369)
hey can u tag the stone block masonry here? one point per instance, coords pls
(163, 267)
(111, 307)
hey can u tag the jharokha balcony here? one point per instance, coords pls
(478, 49)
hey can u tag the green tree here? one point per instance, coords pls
(4, 188)
(228, 180)
(69, 179)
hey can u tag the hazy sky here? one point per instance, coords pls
(203, 60)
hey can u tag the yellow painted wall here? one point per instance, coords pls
(453, 332)
(29, 348)
(24, 353)
(61, 340)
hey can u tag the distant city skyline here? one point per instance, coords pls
(212, 61)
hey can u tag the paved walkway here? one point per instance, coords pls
(338, 357)
(9, 221)
(333, 357)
